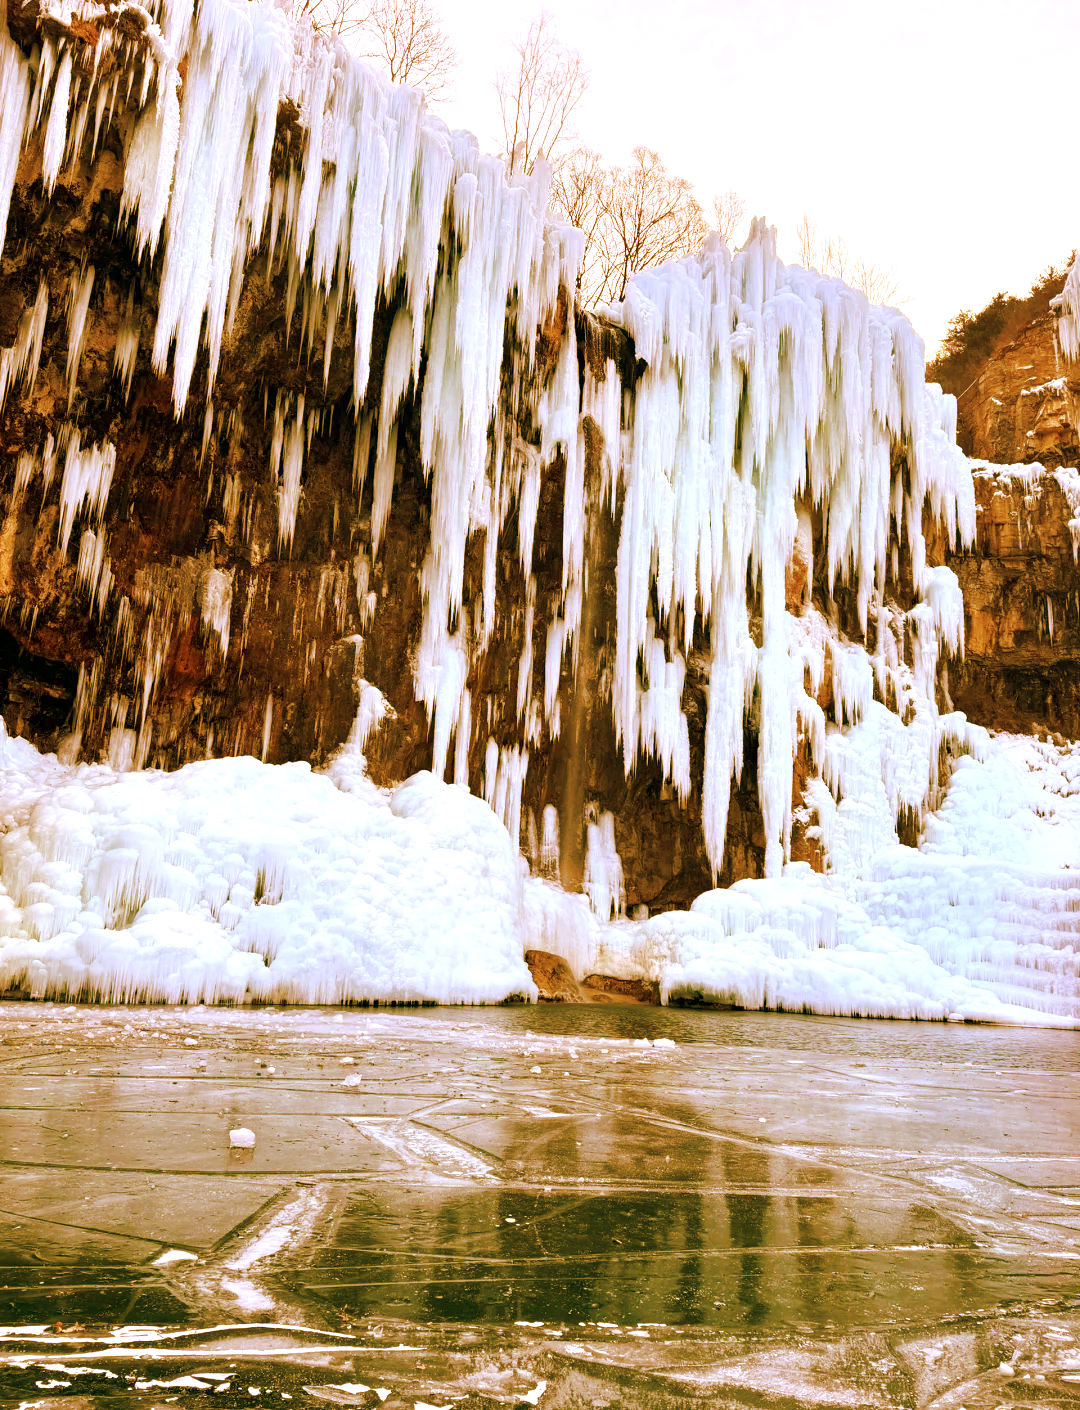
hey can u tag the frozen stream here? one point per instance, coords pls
(455, 1206)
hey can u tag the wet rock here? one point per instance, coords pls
(605, 988)
(552, 976)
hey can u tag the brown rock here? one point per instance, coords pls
(1021, 666)
(1026, 404)
(551, 975)
(606, 989)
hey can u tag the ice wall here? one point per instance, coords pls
(775, 406)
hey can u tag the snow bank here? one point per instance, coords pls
(240, 881)
(981, 924)
(234, 880)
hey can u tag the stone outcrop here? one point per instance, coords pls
(553, 978)
(1025, 405)
(1021, 668)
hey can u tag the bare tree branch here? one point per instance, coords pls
(578, 194)
(729, 211)
(651, 216)
(830, 256)
(538, 97)
(806, 234)
(403, 37)
(344, 18)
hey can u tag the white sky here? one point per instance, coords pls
(936, 136)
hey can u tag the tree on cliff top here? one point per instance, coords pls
(650, 216)
(538, 96)
(729, 212)
(633, 217)
(403, 37)
(830, 255)
(974, 339)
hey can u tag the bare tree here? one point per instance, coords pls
(539, 95)
(649, 216)
(830, 255)
(806, 234)
(729, 211)
(579, 186)
(404, 37)
(879, 284)
(344, 18)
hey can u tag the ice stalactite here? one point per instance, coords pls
(78, 303)
(20, 362)
(768, 387)
(1067, 308)
(603, 883)
(215, 596)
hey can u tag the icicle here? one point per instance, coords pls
(78, 302)
(87, 480)
(268, 725)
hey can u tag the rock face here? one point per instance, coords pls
(1021, 669)
(1025, 406)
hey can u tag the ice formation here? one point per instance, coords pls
(769, 393)
(778, 419)
(233, 880)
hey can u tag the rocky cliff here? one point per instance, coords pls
(1025, 405)
(1021, 669)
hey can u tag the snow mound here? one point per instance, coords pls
(236, 880)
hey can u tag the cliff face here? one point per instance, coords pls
(1025, 405)
(1021, 668)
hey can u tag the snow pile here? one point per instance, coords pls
(235, 880)
(982, 924)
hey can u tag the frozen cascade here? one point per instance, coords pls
(825, 387)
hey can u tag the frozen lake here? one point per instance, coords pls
(455, 1205)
